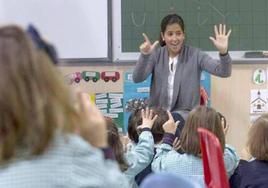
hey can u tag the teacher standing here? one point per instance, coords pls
(176, 68)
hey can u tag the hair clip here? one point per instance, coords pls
(42, 44)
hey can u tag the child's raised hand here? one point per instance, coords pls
(170, 126)
(146, 47)
(147, 119)
(125, 140)
(93, 126)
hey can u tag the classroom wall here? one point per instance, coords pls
(230, 96)
(100, 86)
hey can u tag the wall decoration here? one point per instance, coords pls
(135, 96)
(76, 77)
(110, 75)
(258, 101)
(111, 105)
(259, 76)
(91, 75)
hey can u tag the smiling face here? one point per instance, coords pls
(174, 38)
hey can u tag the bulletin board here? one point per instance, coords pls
(231, 96)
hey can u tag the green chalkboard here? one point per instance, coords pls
(248, 20)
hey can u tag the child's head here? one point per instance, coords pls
(204, 117)
(168, 20)
(157, 129)
(115, 143)
(135, 120)
(258, 139)
(34, 100)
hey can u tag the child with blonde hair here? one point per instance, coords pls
(39, 144)
(254, 173)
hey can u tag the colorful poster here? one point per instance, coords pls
(135, 96)
(111, 105)
(205, 83)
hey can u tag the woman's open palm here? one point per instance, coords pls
(221, 38)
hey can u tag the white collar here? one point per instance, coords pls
(173, 60)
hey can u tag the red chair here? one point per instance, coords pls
(213, 164)
(203, 96)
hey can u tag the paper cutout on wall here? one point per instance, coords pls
(111, 105)
(91, 75)
(110, 75)
(259, 76)
(94, 76)
(258, 101)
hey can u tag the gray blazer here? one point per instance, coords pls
(186, 93)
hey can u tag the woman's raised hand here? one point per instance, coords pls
(221, 38)
(147, 47)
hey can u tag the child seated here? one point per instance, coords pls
(157, 131)
(254, 173)
(189, 164)
(141, 154)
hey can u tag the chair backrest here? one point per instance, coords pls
(168, 180)
(214, 170)
(203, 96)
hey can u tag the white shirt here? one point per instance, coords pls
(172, 69)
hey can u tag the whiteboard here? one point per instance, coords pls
(77, 28)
